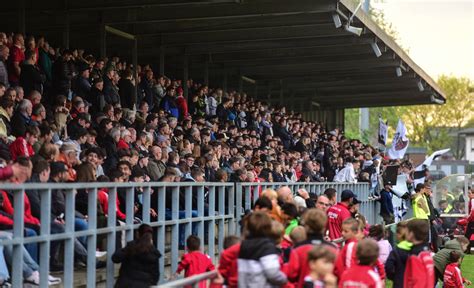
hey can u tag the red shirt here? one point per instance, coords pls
(103, 199)
(347, 258)
(453, 277)
(336, 215)
(297, 267)
(182, 106)
(20, 147)
(16, 55)
(228, 265)
(194, 263)
(8, 208)
(122, 144)
(360, 276)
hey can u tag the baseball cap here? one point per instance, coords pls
(346, 194)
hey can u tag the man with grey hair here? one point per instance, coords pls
(22, 118)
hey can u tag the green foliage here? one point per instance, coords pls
(430, 126)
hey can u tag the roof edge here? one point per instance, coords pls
(387, 40)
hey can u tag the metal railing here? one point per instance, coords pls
(210, 210)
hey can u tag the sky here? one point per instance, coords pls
(439, 34)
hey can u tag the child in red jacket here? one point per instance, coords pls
(228, 262)
(452, 274)
(297, 268)
(419, 270)
(363, 274)
(321, 266)
(353, 232)
(194, 262)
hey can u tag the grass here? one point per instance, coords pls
(467, 270)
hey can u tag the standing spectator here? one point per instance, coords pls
(17, 56)
(139, 261)
(182, 104)
(338, 213)
(96, 95)
(45, 63)
(111, 95)
(30, 77)
(146, 89)
(377, 233)
(82, 86)
(397, 259)
(63, 74)
(386, 205)
(127, 90)
(168, 103)
(4, 53)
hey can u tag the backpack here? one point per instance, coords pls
(419, 271)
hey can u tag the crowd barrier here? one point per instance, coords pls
(210, 210)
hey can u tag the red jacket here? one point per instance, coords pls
(347, 258)
(182, 106)
(20, 147)
(297, 267)
(194, 263)
(419, 272)
(8, 208)
(103, 198)
(453, 277)
(122, 144)
(360, 276)
(228, 265)
(336, 215)
(6, 172)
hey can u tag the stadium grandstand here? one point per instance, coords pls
(180, 115)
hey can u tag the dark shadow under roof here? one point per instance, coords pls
(290, 48)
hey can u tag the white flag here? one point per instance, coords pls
(400, 142)
(427, 163)
(383, 132)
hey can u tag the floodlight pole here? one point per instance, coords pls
(364, 114)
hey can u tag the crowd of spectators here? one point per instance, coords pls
(67, 116)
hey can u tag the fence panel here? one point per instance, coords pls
(217, 206)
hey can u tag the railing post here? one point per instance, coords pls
(174, 228)
(233, 209)
(130, 208)
(211, 225)
(45, 229)
(111, 236)
(161, 227)
(221, 212)
(200, 214)
(92, 238)
(70, 211)
(18, 226)
(146, 205)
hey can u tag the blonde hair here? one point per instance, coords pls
(270, 194)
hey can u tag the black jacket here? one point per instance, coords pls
(30, 79)
(19, 124)
(395, 266)
(94, 97)
(127, 93)
(141, 270)
(111, 94)
(81, 86)
(62, 75)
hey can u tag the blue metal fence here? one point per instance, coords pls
(218, 208)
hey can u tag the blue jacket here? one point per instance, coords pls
(386, 205)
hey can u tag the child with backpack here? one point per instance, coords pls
(363, 274)
(452, 275)
(194, 262)
(321, 266)
(419, 271)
